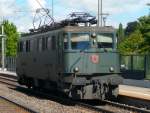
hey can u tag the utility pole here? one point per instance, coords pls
(101, 19)
(101, 13)
(98, 13)
(3, 45)
(100, 8)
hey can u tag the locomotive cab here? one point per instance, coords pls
(97, 50)
(90, 58)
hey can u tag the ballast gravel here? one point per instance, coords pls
(38, 104)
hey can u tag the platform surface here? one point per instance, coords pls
(8, 72)
(135, 92)
(138, 83)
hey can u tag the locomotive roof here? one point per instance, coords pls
(88, 29)
(106, 29)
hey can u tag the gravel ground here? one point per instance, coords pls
(8, 107)
(117, 110)
(41, 105)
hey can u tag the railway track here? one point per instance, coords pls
(105, 106)
(11, 106)
(9, 80)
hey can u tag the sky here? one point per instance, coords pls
(22, 12)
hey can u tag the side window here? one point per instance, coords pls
(59, 43)
(28, 46)
(43, 44)
(20, 47)
(31, 45)
(53, 42)
(39, 44)
(49, 43)
(46, 40)
(66, 41)
(24, 46)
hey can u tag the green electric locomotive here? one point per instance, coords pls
(72, 56)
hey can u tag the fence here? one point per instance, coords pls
(147, 72)
(133, 62)
(136, 66)
(10, 63)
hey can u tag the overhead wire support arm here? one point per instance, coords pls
(45, 10)
(52, 9)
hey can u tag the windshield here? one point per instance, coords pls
(105, 40)
(80, 41)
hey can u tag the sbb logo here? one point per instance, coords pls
(94, 59)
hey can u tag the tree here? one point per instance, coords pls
(12, 36)
(133, 44)
(120, 33)
(131, 27)
(145, 28)
(138, 37)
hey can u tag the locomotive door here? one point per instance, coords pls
(59, 50)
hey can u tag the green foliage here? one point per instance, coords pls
(11, 38)
(131, 27)
(145, 28)
(120, 33)
(132, 45)
(137, 37)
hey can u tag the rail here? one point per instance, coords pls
(99, 108)
(22, 108)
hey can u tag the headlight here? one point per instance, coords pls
(111, 69)
(93, 35)
(123, 66)
(76, 69)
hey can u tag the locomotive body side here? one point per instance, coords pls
(40, 62)
(71, 61)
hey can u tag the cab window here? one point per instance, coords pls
(80, 41)
(105, 40)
